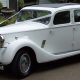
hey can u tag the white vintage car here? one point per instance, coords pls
(42, 33)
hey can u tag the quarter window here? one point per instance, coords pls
(62, 18)
(77, 15)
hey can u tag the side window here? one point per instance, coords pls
(62, 17)
(77, 15)
(42, 13)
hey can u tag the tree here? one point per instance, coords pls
(20, 4)
(1, 6)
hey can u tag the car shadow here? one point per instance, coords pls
(57, 64)
(7, 76)
(44, 67)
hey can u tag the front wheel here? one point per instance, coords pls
(22, 64)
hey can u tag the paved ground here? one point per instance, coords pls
(67, 69)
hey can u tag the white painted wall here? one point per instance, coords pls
(5, 3)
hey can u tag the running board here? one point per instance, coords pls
(67, 52)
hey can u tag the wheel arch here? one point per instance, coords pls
(31, 52)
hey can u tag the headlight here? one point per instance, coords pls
(1, 41)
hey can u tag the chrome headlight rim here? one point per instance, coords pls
(1, 38)
(1, 41)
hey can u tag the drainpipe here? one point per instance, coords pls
(7, 2)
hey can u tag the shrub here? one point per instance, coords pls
(8, 21)
(1, 6)
(20, 4)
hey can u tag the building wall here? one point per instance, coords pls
(5, 3)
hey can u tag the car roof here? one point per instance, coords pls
(55, 5)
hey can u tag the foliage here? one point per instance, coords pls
(1, 6)
(20, 3)
(7, 22)
(1, 18)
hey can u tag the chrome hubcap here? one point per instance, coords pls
(25, 63)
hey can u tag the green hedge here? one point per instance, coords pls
(7, 22)
(1, 6)
(20, 4)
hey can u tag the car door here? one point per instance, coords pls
(60, 36)
(76, 29)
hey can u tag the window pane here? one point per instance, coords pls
(42, 13)
(62, 18)
(31, 14)
(77, 15)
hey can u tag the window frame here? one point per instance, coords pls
(74, 15)
(59, 12)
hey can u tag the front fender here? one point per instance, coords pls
(13, 47)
